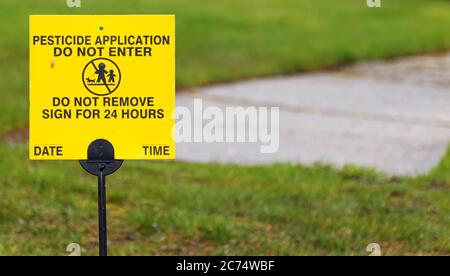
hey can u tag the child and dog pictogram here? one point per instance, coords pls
(101, 76)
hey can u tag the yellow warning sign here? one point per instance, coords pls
(102, 77)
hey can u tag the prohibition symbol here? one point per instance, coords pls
(101, 76)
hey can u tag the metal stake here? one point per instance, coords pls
(102, 224)
(101, 163)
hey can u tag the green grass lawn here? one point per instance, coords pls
(220, 41)
(177, 208)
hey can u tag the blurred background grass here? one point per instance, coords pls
(178, 208)
(220, 41)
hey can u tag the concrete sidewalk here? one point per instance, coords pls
(391, 116)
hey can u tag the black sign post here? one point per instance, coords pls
(101, 162)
